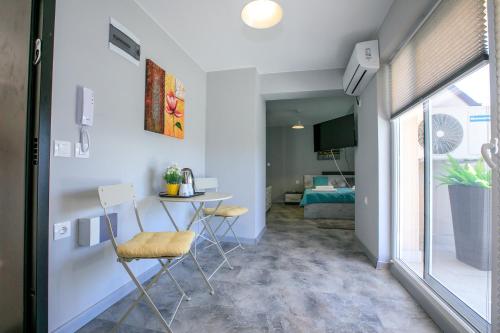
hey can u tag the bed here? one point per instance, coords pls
(338, 204)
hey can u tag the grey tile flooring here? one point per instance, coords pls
(299, 278)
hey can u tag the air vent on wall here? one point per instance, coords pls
(123, 42)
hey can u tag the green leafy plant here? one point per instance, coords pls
(172, 175)
(466, 174)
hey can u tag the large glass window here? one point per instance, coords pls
(443, 194)
(410, 180)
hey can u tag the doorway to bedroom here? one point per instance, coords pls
(310, 145)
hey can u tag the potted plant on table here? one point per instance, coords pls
(469, 187)
(172, 177)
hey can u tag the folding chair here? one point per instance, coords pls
(162, 246)
(229, 214)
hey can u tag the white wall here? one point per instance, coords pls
(291, 155)
(236, 143)
(367, 181)
(121, 150)
(373, 152)
(303, 84)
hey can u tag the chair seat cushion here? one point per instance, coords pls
(157, 245)
(227, 211)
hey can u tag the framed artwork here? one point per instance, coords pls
(164, 102)
(327, 155)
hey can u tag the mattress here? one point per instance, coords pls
(340, 195)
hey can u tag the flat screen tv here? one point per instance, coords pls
(335, 134)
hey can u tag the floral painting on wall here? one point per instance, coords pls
(164, 102)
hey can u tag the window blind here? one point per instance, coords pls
(451, 40)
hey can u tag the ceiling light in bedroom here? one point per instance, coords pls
(261, 14)
(298, 125)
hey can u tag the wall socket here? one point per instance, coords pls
(79, 153)
(62, 230)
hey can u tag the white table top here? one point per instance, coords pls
(207, 197)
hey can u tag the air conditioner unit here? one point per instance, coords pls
(364, 63)
(458, 131)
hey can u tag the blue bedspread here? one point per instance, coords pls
(340, 195)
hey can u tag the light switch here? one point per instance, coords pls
(62, 230)
(62, 148)
(79, 153)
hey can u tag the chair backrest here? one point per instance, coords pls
(203, 184)
(114, 195)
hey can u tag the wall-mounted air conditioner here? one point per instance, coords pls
(364, 63)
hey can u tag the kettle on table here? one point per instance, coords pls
(187, 185)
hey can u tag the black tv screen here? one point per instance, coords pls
(334, 134)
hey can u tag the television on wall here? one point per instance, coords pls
(335, 134)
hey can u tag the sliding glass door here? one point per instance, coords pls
(443, 194)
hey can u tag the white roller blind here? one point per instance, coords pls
(452, 39)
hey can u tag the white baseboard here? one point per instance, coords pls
(86, 316)
(378, 264)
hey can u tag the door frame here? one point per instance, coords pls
(37, 168)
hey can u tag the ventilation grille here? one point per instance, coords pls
(447, 134)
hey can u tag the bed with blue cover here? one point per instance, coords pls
(340, 195)
(337, 204)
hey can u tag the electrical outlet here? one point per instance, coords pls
(297, 182)
(62, 230)
(366, 201)
(79, 153)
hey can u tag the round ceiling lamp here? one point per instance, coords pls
(262, 14)
(298, 125)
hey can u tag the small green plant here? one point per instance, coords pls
(466, 174)
(172, 175)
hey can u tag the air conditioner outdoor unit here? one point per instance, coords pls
(364, 63)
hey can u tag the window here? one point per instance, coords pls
(443, 194)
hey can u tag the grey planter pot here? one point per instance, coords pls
(470, 211)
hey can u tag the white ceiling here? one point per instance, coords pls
(313, 35)
(310, 110)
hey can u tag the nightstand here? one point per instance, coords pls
(293, 198)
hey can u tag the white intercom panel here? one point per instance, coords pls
(85, 106)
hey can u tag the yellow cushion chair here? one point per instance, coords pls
(166, 247)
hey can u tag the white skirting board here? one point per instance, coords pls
(378, 264)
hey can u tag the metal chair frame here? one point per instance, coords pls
(116, 195)
(212, 184)
(198, 217)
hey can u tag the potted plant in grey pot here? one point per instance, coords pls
(469, 187)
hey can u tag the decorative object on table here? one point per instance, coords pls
(172, 177)
(327, 155)
(187, 183)
(164, 102)
(469, 188)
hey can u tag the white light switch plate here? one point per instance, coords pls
(79, 153)
(62, 230)
(62, 148)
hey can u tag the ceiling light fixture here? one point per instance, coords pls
(298, 125)
(261, 14)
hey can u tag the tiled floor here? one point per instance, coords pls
(300, 278)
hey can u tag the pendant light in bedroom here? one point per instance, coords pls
(298, 125)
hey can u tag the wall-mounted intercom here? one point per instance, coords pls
(85, 106)
(85, 118)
